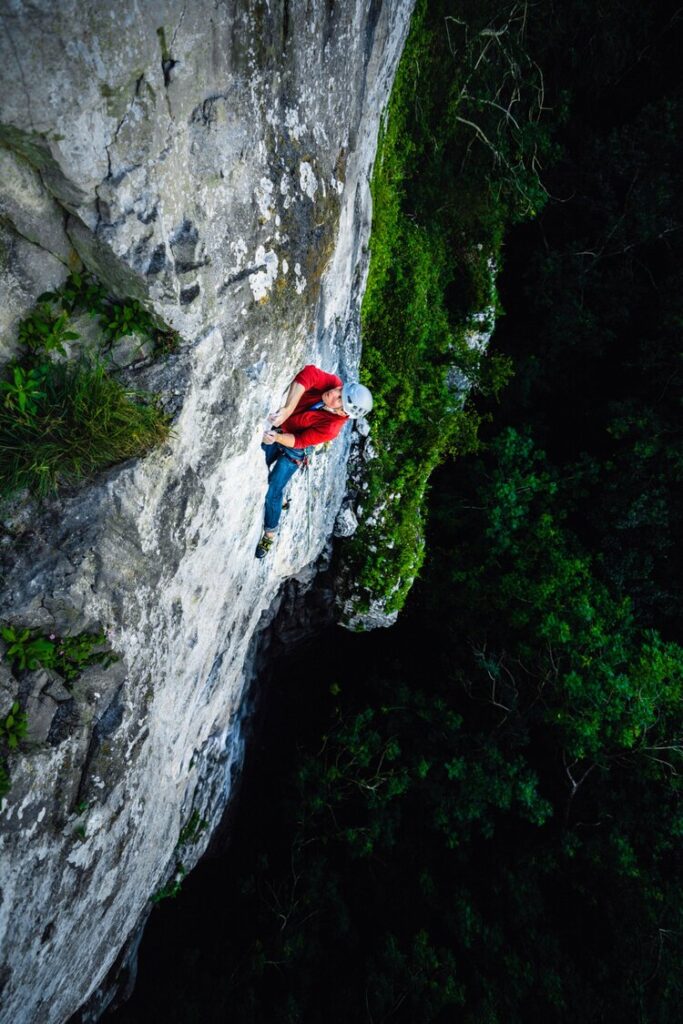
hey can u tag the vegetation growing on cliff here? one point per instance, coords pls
(26, 650)
(457, 162)
(76, 421)
(30, 649)
(61, 418)
(13, 726)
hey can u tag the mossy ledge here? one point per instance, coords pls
(430, 304)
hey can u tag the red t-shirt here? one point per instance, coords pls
(314, 426)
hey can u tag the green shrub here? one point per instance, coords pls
(13, 727)
(69, 655)
(173, 887)
(79, 421)
(62, 423)
(23, 390)
(46, 331)
(118, 317)
(5, 781)
(27, 650)
(192, 829)
(452, 171)
(79, 292)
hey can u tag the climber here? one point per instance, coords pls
(318, 405)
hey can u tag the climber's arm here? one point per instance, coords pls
(295, 392)
(271, 436)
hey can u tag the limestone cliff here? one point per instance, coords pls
(210, 159)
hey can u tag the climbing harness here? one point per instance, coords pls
(300, 462)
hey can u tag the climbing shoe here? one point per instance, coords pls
(264, 546)
(285, 505)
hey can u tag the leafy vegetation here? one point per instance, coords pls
(13, 728)
(172, 888)
(61, 420)
(23, 391)
(466, 96)
(82, 292)
(461, 831)
(603, 394)
(46, 331)
(29, 649)
(545, 628)
(192, 829)
(189, 834)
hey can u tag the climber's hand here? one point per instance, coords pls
(276, 418)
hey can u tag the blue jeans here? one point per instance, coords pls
(282, 469)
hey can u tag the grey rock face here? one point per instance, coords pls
(375, 617)
(211, 159)
(346, 523)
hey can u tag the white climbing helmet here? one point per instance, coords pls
(356, 399)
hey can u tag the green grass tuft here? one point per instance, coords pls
(81, 421)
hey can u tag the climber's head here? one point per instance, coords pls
(352, 399)
(356, 399)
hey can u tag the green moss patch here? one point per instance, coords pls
(454, 168)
